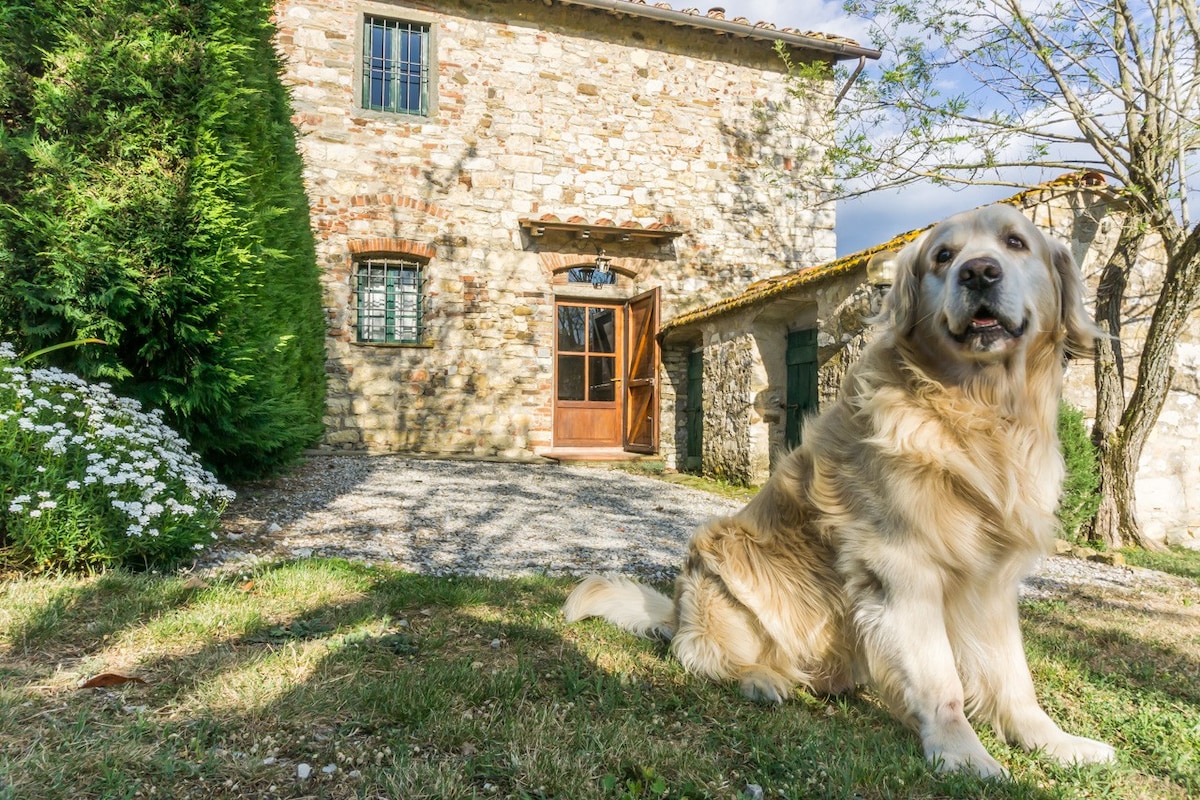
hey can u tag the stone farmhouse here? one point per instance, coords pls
(509, 196)
(759, 361)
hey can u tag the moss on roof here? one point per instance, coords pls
(768, 288)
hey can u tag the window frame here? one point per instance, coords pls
(387, 14)
(592, 349)
(390, 269)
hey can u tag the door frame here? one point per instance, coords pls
(636, 406)
(589, 423)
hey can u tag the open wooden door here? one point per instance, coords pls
(641, 373)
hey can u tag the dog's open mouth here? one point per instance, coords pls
(986, 331)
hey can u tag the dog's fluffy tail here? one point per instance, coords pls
(625, 603)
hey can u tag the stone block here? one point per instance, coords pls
(344, 436)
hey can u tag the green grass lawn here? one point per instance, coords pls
(391, 685)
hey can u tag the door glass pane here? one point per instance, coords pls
(570, 377)
(602, 332)
(570, 328)
(600, 379)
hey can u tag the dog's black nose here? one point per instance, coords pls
(980, 273)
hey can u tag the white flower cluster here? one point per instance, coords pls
(130, 456)
(17, 506)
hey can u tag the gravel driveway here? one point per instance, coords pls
(484, 518)
(467, 517)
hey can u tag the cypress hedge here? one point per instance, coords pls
(151, 196)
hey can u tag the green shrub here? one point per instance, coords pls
(1081, 489)
(88, 479)
(151, 195)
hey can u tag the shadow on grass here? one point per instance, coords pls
(1126, 655)
(1129, 648)
(428, 687)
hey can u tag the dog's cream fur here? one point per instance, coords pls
(889, 547)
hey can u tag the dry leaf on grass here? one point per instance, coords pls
(108, 679)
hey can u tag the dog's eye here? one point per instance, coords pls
(1015, 242)
(943, 256)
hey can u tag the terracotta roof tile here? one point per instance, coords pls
(715, 19)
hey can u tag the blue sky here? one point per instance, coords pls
(880, 216)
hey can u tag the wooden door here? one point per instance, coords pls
(801, 383)
(587, 396)
(641, 374)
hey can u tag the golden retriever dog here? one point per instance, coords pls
(888, 549)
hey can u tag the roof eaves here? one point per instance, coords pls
(773, 287)
(1070, 182)
(839, 47)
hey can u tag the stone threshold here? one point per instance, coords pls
(577, 455)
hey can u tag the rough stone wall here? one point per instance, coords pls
(843, 334)
(729, 369)
(539, 110)
(673, 403)
(1168, 481)
(745, 376)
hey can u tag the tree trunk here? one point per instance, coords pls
(1116, 511)
(1120, 445)
(1116, 518)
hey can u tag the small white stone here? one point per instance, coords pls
(329, 769)
(303, 771)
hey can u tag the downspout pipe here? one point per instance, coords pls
(862, 62)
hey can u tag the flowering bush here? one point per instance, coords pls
(89, 479)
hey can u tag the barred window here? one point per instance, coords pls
(395, 66)
(389, 300)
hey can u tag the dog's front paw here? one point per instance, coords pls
(765, 686)
(973, 763)
(955, 748)
(1079, 750)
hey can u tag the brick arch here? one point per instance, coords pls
(554, 263)
(417, 204)
(393, 245)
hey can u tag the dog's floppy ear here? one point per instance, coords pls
(900, 306)
(1082, 332)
